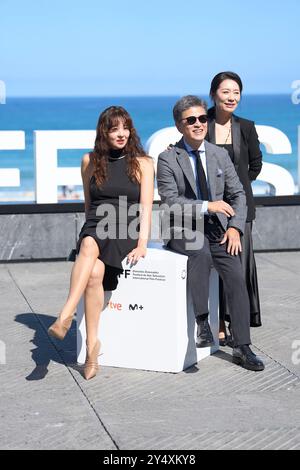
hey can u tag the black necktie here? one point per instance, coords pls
(201, 176)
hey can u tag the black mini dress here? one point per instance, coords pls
(113, 218)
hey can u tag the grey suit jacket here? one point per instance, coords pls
(177, 185)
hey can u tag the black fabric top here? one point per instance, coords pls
(229, 148)
(116, 153)
(117, 185)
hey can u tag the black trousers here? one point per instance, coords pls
(230, 270)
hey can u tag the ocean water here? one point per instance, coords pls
(149, 115)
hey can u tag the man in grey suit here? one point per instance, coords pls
(197, 177)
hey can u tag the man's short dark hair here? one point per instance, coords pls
(185, 103)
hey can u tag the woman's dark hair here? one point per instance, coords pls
(109, 118)
(219, 78)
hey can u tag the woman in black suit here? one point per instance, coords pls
(239, 137)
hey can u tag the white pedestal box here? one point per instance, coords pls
(148, 321)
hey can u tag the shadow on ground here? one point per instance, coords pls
(48, 349)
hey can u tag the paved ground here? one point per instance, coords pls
(46, 404)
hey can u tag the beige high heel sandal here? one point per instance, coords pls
(60, 328)
(91, 366)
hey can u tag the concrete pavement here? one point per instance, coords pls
(46, 404)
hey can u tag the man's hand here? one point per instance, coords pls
(220, 207)
(232, 236)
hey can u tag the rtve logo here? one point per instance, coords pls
(118, 306)
(114, 305)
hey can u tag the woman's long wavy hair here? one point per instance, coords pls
(109, 118)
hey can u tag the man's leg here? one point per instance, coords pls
(230, 269)
(198, 272)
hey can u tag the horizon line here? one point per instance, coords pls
(138, 95)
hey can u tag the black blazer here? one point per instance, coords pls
(247, 155)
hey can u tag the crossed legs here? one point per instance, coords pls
(86, 277)
(80, 275)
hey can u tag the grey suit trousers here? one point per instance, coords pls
(229, 268)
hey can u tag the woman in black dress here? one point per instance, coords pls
(239, 137)
(118, 182)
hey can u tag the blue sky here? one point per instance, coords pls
(159, 47)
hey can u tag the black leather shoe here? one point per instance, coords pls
(204, 335)
(244, 357)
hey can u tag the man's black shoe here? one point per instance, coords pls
(204, 335)
(243, 356)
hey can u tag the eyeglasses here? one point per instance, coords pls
(192, 119)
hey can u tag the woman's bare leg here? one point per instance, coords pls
(93, 303)
(80, 275)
